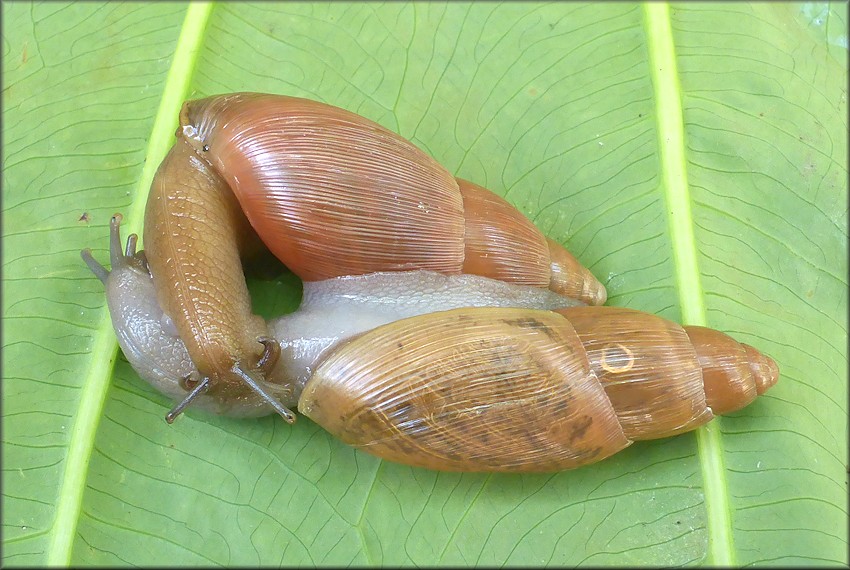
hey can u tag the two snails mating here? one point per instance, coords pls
(439, 328)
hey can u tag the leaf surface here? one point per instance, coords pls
(569, 111)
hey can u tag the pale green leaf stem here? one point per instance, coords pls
(671, 149)
(105, 346)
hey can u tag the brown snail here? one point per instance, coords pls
(330, 193)
(495, 388)
(331, 311)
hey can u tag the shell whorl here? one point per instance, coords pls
(332, 193)
(499, 389)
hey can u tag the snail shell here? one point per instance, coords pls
(330, 193)
(504, 389)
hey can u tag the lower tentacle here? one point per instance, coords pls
(255, 385)
(196, 391)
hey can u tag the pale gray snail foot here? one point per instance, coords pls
(153, 348)
(157, 354)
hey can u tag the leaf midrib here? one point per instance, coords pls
(105, 344)
(671, 150)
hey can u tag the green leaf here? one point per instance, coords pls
(695, 158)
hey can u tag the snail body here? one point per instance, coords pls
(331, 311)
(330, 193)
(495, 388)
(145, 332)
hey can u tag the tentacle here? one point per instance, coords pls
(99, 270)
(130, 248)
(118, 257)
(197, 391)
(254, 384)
(270, 356)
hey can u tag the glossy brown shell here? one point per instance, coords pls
(487, 389)
(499, 242)
(332, 193)
(503, 390)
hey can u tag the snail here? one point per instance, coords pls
(331, 311)
(540, 383)
(330, 193)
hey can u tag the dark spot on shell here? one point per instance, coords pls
(404, 445)
(399, 344)
(593, 453)
(533, 324)
(580, 428)
(453, 456)
(525, 323)
(402, 409)
(206, 148)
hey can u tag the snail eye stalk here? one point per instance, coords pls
(196, 391)
(246, 377)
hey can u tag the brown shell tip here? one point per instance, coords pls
(571, 278)
(765, 369)
(595, 291)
